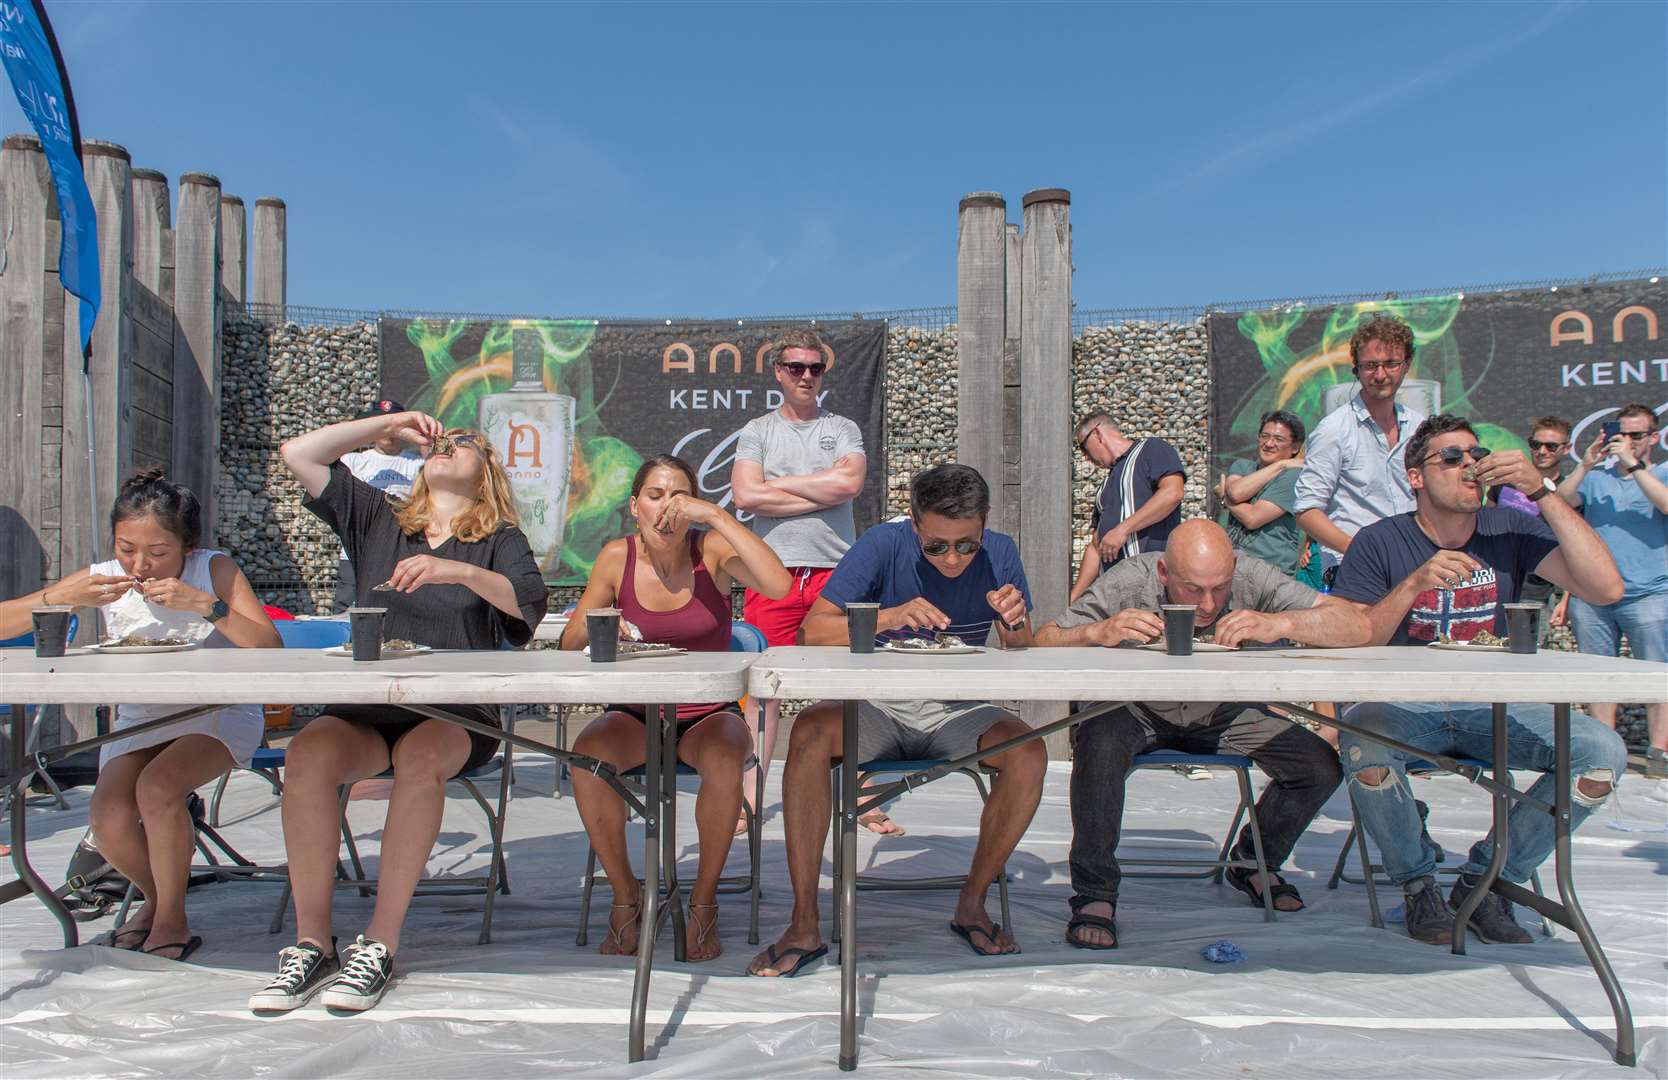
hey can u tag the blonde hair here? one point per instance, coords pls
(494, 508)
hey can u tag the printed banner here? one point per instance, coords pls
(1499, 359)
(574, 408)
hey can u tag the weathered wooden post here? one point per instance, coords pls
(981, 299)
(269, 255)
(198, 314)
(28, 497)
(234, 248)
(1045, 398)
(152, 233)
(1012, 419)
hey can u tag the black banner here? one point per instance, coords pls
(1498, 359)
(615, 393)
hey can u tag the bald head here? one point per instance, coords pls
(1198, 568)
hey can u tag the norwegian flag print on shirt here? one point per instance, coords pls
(1460, 613)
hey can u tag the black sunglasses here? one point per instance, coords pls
(1539, 444)
(1453, 455)
(797, 370)
(941, 547)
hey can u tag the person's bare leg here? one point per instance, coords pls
(1604, 712)
(715, 748)
(813, 748)
(1014, 795)
(424, 759)
(183, 766)
(329, 752)
(1656, 724)
(619, 739)
(120, 836)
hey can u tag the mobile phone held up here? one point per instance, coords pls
(1611, 429)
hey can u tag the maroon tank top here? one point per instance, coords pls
(701, 625)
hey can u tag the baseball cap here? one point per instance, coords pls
(379, 408)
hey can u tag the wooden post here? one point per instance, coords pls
(234, 248)
(1045, 396)
(152, 231)
(108, 170)
(268, 284)
(1012, 422)
(198, 315)
(24, 559)
(981, 300)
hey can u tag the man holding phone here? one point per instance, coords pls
(1625, 499)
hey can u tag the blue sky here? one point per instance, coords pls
(708, 159)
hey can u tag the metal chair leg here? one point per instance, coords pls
(755, 842)
(585, 889)
(1245, 795)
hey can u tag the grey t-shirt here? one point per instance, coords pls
(1133, 583)
(797, 448)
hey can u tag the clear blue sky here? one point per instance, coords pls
(709, 159)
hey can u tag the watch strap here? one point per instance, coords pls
(218, 611)
(1547, 488)
(1635, 467)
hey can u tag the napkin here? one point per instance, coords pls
(134, 616)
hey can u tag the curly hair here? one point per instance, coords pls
(800, 337)
(1418, 447)
(1390, 329)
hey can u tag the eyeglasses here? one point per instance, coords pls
(936, 548)
(1540, 444)
(1374, 367)
(1453, 455)
(798, 370)
(1273, 440)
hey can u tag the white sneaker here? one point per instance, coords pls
(367, 968)
(303, 970)
(1192, 772)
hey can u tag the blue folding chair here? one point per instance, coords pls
(27, 641)
(744, 637)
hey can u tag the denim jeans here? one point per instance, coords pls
(1303, 772)
(1465, 730)
(1643, 619)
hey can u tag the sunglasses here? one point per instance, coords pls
(1083, 443)
(798, 370)
(1538, 444)
(445, 444)
(1453, 455)
(1636, 436)
(942, 547)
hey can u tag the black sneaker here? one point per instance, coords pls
(302, 970)
(367, 966)
(1428, 918)
(1492, 921)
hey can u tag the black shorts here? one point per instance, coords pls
(683, 724)
(392, 722)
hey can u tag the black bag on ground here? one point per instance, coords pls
(93, 888)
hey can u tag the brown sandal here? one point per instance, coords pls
(616, 934)
(700, 929)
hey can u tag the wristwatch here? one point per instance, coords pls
(1635, 467)
(218, 611)
(1547, 488)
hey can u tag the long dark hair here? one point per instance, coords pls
(147, 493)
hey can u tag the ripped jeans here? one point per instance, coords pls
(1466, 730)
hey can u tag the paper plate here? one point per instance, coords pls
(144, 648)
(1198, 647)
(387, 653)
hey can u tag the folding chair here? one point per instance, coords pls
(1247, 809)
(1372, 873)
(744, 637)
(32, 744)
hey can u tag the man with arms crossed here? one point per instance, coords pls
(1139, 502)
(939, 570)
(1242, 599)
(1445, 569)
(796, 470)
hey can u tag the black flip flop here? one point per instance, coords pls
(1241, 880)
(116, 935)
(966, 933)
(1108, 923)
(186, 948)
(806, 956)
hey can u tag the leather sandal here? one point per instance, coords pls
(1240, 879)
(699, 928)
(616, 933)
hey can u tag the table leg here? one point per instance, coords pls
(1577, 919)
(847, 888)
(649, 895)
(669, 830)
(1502, 808)
(19, 772)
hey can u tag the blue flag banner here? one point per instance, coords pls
(42, 85)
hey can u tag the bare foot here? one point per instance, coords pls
(621, 939)
(878, 823)
(703, 932)
(987, 938)
(1283, 902)
(165, 934)
(1094, 937)
(790, 950)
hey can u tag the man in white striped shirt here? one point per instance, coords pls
(1139, 502)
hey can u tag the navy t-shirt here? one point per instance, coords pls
(886, 567)
(1131, 482)
(1507, 544)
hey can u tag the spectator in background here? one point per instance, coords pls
(1549, 442)
(1625, 499)
(1353, 471)
(388, 465)
(1259, 495)
(1139, 502)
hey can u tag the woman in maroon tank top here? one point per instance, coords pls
(673, 584)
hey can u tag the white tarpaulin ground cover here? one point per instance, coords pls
(1321, 993)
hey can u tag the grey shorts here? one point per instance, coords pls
(917, 730)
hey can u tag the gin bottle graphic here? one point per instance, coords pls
(531, 429)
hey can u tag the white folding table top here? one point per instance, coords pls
(1394, 673)
(308, 677)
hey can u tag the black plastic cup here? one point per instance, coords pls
(861, 622)
(52, 629)
(603, 625)
(367, 632)
(1523, 627)
(1178, 628)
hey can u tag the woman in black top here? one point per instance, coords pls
(462, 577)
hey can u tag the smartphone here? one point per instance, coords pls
(1611, 429)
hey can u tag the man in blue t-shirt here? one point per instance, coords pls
(937, 571)
(1625, 499)
(1139, 502)
(1441, 573)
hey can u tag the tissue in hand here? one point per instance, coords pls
(132, 616)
